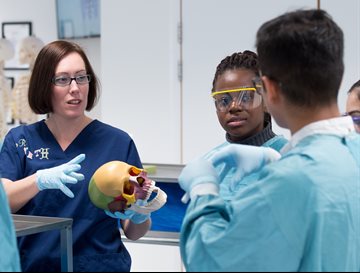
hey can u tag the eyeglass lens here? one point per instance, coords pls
(356, 119)
(67, 80)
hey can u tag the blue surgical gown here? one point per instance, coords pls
(96, 240)
(231, 184)
(302, 214)
(9, 254)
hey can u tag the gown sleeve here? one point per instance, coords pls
(239, 235)
(9, 255)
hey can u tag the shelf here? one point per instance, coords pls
(165, 172)
(156, 237)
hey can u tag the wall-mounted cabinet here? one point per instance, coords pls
(159, 59)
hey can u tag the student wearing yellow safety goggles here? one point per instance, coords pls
(241, 111)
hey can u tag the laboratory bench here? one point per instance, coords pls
(28, 224)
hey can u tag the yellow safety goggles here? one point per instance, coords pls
(245, 97)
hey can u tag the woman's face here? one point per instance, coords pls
(70, 101)
(238, 121)
(353, 106)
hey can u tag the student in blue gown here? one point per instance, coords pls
(241, 112)
(353, 104)
(9, 254)
(303, 211)
(47, 166)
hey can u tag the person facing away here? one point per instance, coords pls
(241, 112)
(353, 104)
(46, 155)
(9, 253)
(302, 212)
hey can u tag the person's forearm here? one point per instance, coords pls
(20, 192)
(135, 231)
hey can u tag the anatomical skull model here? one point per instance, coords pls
(116, 186)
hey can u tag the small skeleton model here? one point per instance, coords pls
(29, 48)
(116, 186)
(6, 53)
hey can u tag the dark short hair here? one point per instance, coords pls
(303, 51)
(41, 86)
(247, 60)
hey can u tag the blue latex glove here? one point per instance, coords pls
(198, 171)
(57, 177)
(132, 215)
(244, 158)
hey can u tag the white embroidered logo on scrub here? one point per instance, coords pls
(42, 153)
(21, 143)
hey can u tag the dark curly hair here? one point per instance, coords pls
(246, 59)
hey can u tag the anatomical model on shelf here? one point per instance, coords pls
(21, 111)
(6, 53)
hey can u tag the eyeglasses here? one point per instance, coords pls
(356, 120)
(247, 97)
(258, 84)
(66, 80)
(355, 115)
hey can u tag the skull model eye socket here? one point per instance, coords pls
(133, 171)
(128, 188)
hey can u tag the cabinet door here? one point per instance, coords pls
(212, 30)
(140, 86)
(147, 257)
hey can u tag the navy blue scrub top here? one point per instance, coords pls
(96, 240)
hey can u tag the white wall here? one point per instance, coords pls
(139, 68)
(347, 16)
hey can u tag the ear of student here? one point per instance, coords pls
(272, 89)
